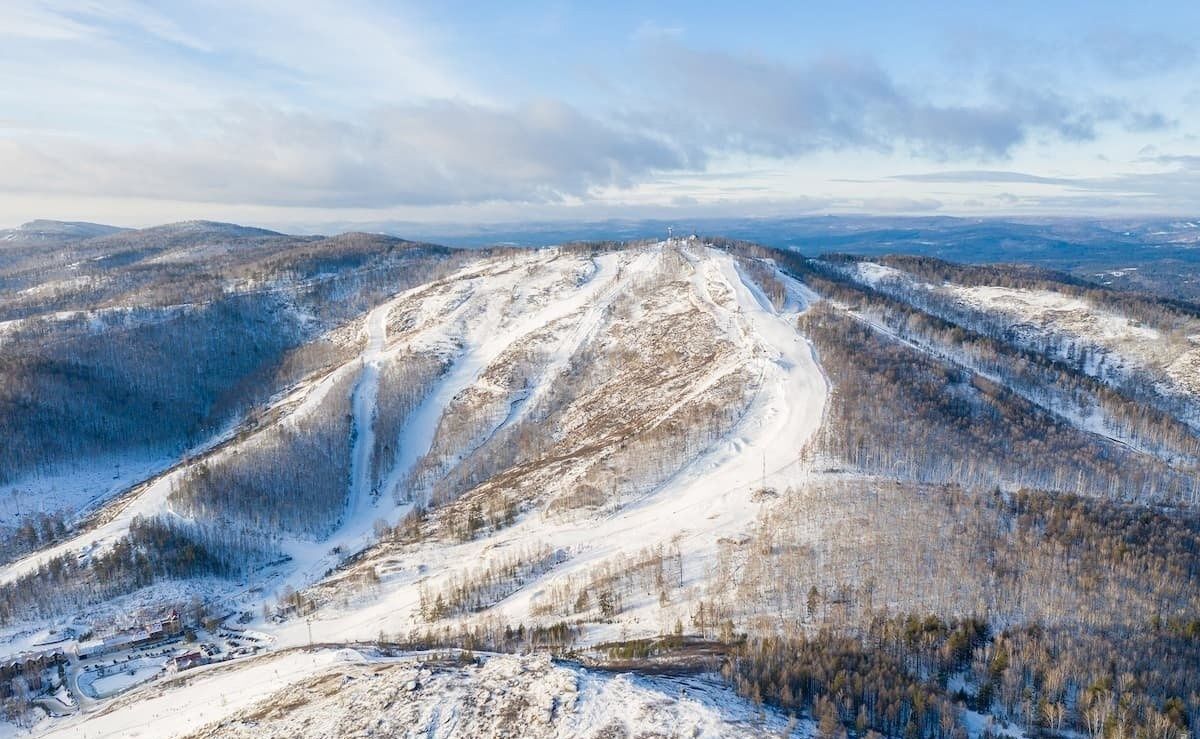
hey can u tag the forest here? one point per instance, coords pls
(1154, 385)
(293, 476)
(920, 407)
(156, 548)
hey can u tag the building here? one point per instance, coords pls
(168, 628)
(186, 661)
(28, 665)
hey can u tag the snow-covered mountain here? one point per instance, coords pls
(50, 232)
(721, 485)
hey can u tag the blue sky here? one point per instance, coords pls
(298, 114)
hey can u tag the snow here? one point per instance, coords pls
(490, 333)
(195, 697)
(77, 486)
(55, 287)
(873, 273)
(558, 300)
(99, 319)
(707, 500)
(1129, 343)
(1092, 420)
(121, 677)
(127, 611)
(472, 323)
(1119, 344)
(348, 693)
(47, 230)
(977, 723)
(144, 498)
(1046, 307)
(363, 409)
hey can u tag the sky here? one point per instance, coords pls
(305, 113)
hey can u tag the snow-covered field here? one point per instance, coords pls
(506, 696)
(1129, 341)
(147, 498)
(114, 680)
(75, 487)
(190, 700)
(99, 319)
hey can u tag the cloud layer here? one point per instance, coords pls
(430, 153)
(360, 105)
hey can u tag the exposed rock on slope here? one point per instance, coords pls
(506, 696)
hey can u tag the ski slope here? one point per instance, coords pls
(710, 497)
(550, 312)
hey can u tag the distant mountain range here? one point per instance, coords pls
(1156, 255)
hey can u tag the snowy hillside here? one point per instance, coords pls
(350, 693)
(719, 484)
(1104, 339)
(51, 232)
(512, 336)
(738, 364)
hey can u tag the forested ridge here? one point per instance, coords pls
(1081, 600)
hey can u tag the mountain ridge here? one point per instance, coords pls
(642, 455)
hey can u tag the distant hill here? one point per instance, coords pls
(49, 232)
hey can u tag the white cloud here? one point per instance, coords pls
(651, 31)
(363, 106)
(761, 106)
(417, 154)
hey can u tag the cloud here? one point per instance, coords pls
(762, 107)
(132, 55)
(420, 154)
(652, 31)
(1174, 187)
(1134, 54)
(362, 104)
(1148, 122)
(981, 175)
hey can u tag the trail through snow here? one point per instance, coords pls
(483, 342)
(709, 498)
(472, 319)
(483, 333)
(310, 559)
